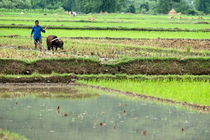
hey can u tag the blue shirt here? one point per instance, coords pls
(36, 30)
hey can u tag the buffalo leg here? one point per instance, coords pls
(53, 50)
(48, 47)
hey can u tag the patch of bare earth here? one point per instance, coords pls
(162, 43)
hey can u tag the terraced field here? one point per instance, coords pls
(108, 43)
(120, 76)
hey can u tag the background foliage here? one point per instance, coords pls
(111, 6)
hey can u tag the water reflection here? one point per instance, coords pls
(103, 117)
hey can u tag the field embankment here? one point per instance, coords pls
(149, 66)
(68, 78)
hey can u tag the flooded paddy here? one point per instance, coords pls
(39, 113)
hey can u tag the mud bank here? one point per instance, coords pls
(149, 66)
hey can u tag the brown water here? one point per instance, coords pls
(102, 117)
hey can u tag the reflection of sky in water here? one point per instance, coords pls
(38, 119)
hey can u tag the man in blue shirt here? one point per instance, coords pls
(36, 31)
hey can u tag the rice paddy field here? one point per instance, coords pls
(119, 72)
(108, 38)
(196, 92)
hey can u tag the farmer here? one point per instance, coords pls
(36, 30)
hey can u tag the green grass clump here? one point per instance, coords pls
(196, 92)
(6, 135)
(142, 77)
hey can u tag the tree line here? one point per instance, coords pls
(112, 6)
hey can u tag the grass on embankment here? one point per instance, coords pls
(6, 135)
(195, 92)
(66, 77)
(131, 77)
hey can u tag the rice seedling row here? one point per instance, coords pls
(196, 92)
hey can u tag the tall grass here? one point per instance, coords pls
(196, 92)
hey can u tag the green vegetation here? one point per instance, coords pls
(129, 47)
(110, 47)
(196, 92)
(6, 135)
(203, 5)
(22, 48)
(37, 75)
(95, 6)
(110, 33)
(120, 25)
(106, 22)
(141, 77)
(111, 17)
(111, 77)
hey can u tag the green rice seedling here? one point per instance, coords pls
(117, 25)
(4, 134)
(195, 92)
(110, 33)
(188, 49)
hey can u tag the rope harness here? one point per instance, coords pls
(55, 39)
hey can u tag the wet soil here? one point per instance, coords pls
(183, 44)
(43, 90)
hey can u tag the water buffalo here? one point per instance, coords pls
(53, 43)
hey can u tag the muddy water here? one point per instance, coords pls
(103, 117)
